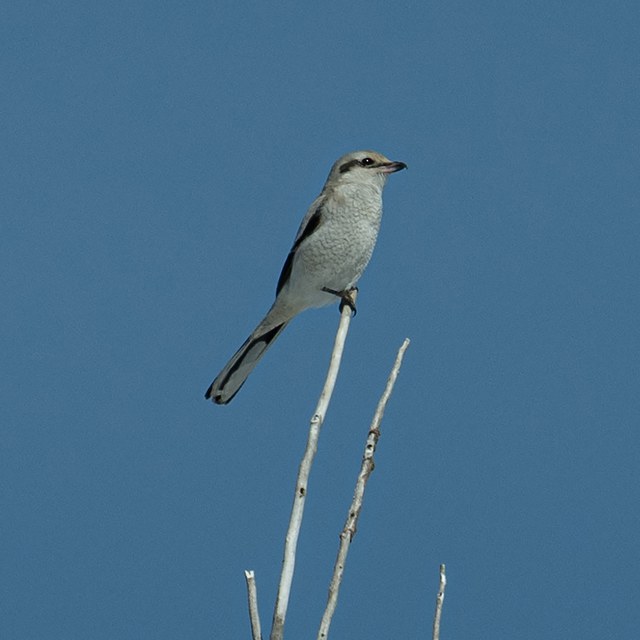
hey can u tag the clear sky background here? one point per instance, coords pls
(156, 161)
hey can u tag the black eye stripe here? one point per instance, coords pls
(347, 165)
(365, 162)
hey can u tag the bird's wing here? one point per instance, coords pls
(310, 223)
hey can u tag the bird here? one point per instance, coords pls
(330, 251)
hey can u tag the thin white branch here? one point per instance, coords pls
(351, 524)
(252, 594)
(439, 601)
(295, 522)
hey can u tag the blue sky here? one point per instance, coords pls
(157, 160)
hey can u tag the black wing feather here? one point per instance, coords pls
(312, 225)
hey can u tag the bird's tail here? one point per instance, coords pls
(237, 370)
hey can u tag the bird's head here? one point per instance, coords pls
(363, 167)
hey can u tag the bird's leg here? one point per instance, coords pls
(347, 298)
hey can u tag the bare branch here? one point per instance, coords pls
(295, 522)
(439, 601)
(252, 594)
(351, 524)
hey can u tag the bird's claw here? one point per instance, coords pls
(347, 298)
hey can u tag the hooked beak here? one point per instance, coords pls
(392, 167)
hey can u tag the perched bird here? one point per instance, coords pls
(331, 250)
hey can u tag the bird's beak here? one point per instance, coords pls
(392, 167)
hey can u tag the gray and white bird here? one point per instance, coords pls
(331, 250)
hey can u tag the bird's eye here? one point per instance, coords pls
(366, 162)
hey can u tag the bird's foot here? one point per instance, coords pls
(347, 298)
